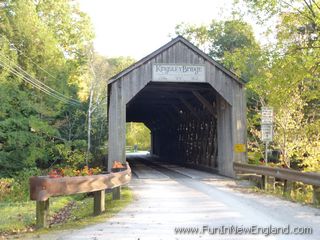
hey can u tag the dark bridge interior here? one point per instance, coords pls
(182, 119)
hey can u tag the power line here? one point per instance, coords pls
(38, 81)
(43, 90)
(12, 46)
(32, 82)
(35, 84)
(16, 73)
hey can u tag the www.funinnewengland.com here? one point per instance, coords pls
(244, 230)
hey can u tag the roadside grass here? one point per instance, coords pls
(83, 214)
(300, 193)
(17, 218)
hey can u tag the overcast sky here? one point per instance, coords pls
(137, 27)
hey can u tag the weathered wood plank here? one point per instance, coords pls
(42, 188)
(117, 125)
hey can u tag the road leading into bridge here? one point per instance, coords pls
(170, 199)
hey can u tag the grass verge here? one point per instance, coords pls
(18, 218)
(300, 193)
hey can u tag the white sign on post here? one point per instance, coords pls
(266, 127)
(267, 115)
(162, 72)
(266, 124)
(266, 133)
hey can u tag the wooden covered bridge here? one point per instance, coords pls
(194, 107)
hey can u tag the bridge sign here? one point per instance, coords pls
(178, 72)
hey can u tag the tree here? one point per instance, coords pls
(97, 100)
(291, 78)
(231, 43)
(117, 64)
(102, 69)
(40, 58)
(138, 134)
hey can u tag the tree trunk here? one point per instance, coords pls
(89, 123)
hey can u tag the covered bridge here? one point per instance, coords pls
(194, 107)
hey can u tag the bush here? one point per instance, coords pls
(5, 187)
(71, 172)
(71, 154)
(254, 157)
(17, 188)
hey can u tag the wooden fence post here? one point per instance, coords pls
(42, 212)
(272, 182)
(116, 193)
(98, 202)
(287, 187)
(264, 182)
(316, 195)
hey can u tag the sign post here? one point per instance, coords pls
(266, 128)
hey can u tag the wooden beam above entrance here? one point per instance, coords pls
(190, 108)
(205, 103)
(178, 87)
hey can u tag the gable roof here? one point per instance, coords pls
(165, 47)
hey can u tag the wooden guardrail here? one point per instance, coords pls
(44, 187)
(287, 175)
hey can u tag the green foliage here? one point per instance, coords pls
(138, 134)
(230, 42)
(102, 69)
(263, 9)
(5, 187)
(289, 81)
(118, 64)
(50, 41)
(71, 153)
(16, 188)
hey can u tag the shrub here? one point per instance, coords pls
(5, 187)
(17, 188)
(70, 154)
(70, 172)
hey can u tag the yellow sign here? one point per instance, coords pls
(239, 148)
